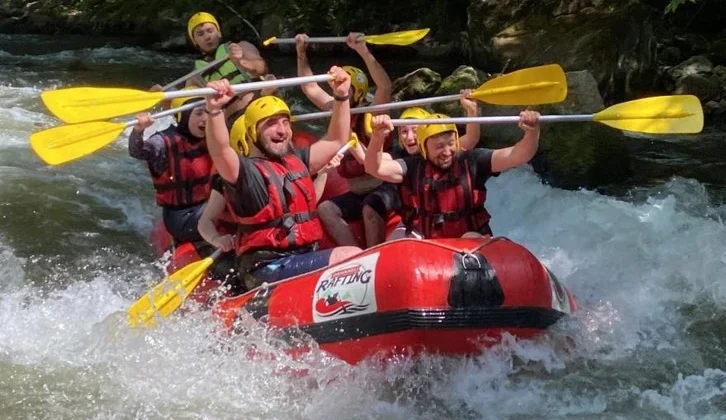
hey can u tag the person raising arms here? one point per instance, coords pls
(362, 201)
(269, 187)
(180, 167)
(217, 226)
(408, 146)
(443, 191)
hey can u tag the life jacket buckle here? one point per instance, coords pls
(288, 222)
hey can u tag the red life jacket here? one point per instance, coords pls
(444, 204)
(349, 166)
(289, 220)
(186, 181)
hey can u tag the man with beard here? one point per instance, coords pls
(408, 146)
(269, 187)
(443, 191)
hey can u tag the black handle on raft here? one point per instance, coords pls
(474, 282)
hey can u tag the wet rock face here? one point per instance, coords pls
(571, 155)
(698, 76)
(419, 83)
(614, 40)
(464, 77)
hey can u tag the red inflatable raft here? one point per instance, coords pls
(453, 297)
(186, 253)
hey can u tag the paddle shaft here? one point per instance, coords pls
(203, 70)
(169, 112)
(216, 254)
(316, 40)
(340, 151)
(381, 107)
(343, 149)
(494, 120)
(201, 268)
(243, 87)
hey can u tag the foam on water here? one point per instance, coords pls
(102, 55)
(700, 396)
(640, 260)
(648, 274)
(108, 179)
(632, 267)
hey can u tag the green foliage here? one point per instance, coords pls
(338, 17)
(673, 5)
(446, 18)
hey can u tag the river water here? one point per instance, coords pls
(646, 263)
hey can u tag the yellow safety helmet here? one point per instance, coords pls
(237, 136)
(423, 132)
(177, 102)
(359, 82)
(413, 113)
(200, 18)
(261, 108)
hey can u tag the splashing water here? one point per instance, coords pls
(647, 269)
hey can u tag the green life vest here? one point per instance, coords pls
(226, 71)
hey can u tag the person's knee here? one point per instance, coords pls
(371, 215)
(343, 252)
(329, 210)
(473, 235)
(398, 233)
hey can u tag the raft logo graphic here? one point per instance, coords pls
(346, 290)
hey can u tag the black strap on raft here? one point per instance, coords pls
(259, 305)
(474, 282)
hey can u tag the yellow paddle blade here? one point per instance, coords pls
(168, 295)
(269, 41)
(79, 105)
(675, 114)
(65, 143)
(397, 38)
(532, 86)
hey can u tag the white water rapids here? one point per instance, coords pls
(649, 274)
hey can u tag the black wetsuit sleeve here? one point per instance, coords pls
(152, 151)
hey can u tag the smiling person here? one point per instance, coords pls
(268, 183)
(409, 147)
(180, 168)
(407, 133)
(217, 226)
(443, 191)
(245, 62)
